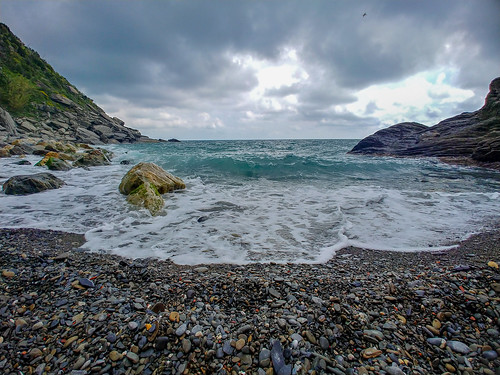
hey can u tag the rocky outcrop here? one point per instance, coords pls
(52, 108)
(145, 183)
(7, 125)
(472, 138)
(30, 184)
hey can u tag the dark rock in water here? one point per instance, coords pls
(472, 138)
(392, 140)
(30, 184)
(173, 140)
(86, 283)
(93, 158)
(125, 162)
(201, 219)
(55, 164)
(23, 162)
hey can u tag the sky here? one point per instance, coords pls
(270, 69)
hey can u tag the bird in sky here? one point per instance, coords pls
(364, 14)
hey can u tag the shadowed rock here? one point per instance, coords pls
(30, 184)
(471, 137)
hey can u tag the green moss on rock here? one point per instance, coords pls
(147, 196)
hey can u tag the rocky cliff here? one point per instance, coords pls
(37, 102)
(469, 138)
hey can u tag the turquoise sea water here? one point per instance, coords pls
(282, 201)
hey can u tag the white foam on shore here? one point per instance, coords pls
(254, 221)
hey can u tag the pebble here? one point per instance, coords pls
(181, 330)
(132, 356)
(115, 356)
(8, 274)
(458, 347)
(86, 283)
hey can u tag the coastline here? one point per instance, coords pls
(364, 311)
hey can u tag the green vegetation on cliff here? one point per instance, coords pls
(27, 81)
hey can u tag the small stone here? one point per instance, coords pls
(240, 344)
(161, 343)
(20, 322)
(394, 370)
(86, 283)
(70, 341)
(310, 337)
(132, 356)
(273, 292)
(186, 346)
(37, 325)
(436, 324)
(490, 355)
(277, 356)
(79, 363)
(371, 353)
(111, 338)
(450, 367)
(35, 353)
(493, 264)
(181, 330)
(174, 317)
(436, 341)
(323, 343)
(458, 347)
(8, 274)
(115, 356)
(201, 269)
(133, 325)
(265, 358)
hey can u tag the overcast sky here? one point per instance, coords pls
(268, 69)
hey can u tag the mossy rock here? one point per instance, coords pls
(95, 157)
(150, 172)
(146, 195)
(55, 164)
(145, 183)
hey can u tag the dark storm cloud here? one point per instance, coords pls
(180, 54)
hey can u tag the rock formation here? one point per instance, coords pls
(145, 183)
(469, 138)
(37, 102)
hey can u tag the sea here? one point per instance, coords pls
(280, 201)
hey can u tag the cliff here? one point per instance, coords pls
(37, 102)
(469, 138)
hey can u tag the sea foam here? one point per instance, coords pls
(282, 202)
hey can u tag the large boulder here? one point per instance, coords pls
(145, 183)
(30, 184)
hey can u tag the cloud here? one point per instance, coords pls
(260, 69)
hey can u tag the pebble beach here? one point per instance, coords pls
(67, 311)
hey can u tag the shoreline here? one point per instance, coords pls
(365, 311)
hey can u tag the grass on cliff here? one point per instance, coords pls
(27, 81)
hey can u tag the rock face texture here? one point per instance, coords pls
(472, 137)
(30, 184)
(145, 183)
(35, 101)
